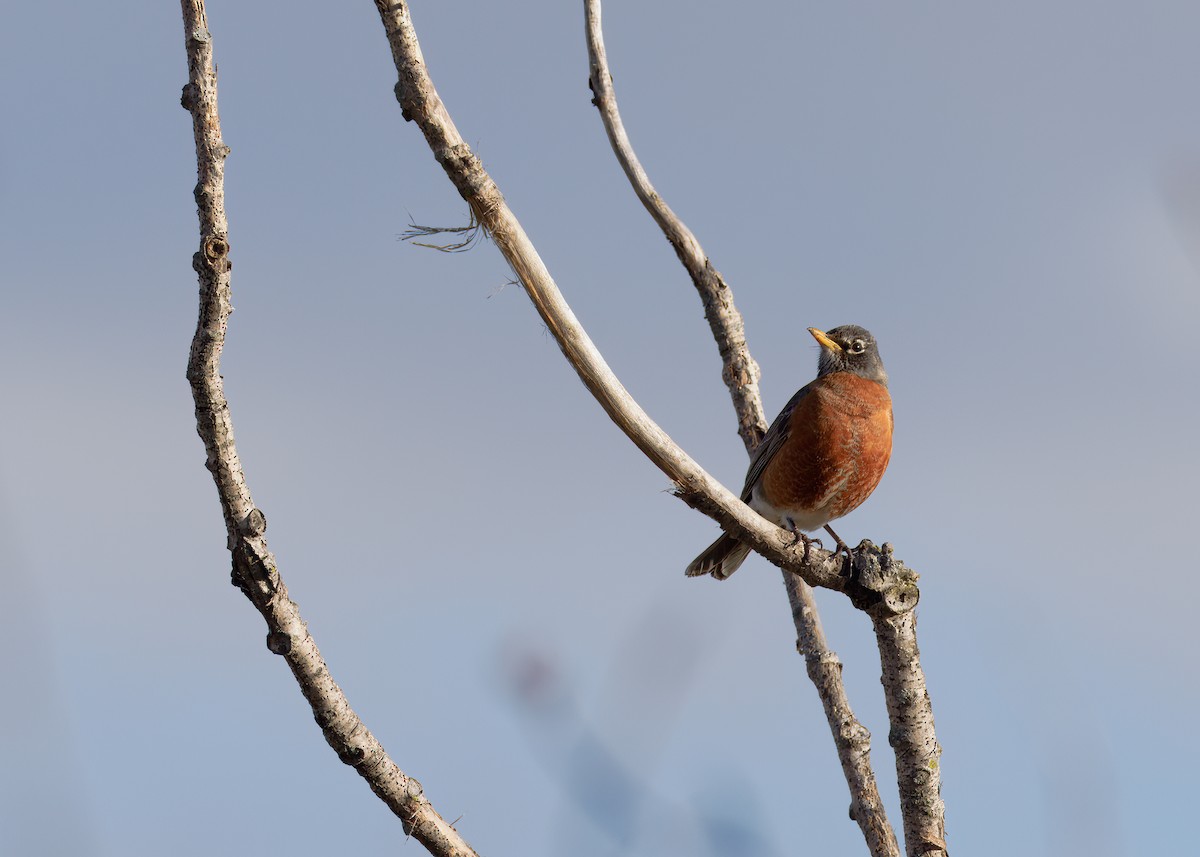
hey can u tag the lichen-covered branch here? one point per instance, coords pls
(852, 739)
(254, 568)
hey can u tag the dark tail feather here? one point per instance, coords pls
(720, 559)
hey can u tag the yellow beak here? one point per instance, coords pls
(824, 340)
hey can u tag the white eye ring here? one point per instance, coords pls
(858, 346)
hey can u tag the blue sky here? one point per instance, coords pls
(1008, 197)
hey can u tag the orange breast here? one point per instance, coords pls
(837, 450)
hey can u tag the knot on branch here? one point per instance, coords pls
(356, 747)
(401, 93)
(879, 583)
(352, 756)
(190, 97)
(739, 373)
(279, 643)
(254, 570)
(854, 734)
(216, 248)
(414, 93)
(203, 196)
(213, 257)
(599, 93)
(254, 524)
(464, 169)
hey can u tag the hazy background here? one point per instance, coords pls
(1008, 197)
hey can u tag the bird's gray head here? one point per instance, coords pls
(849, 348)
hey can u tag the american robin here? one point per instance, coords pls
(825, 452)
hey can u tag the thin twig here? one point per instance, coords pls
(254, 568)
(852, 739)
(471, 234)
(740, 372)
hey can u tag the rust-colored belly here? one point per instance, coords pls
(837, 450)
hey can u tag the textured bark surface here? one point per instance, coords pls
(918, 754)
(851, 737)
(254, 568)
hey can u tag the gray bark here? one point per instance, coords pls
(255, 571)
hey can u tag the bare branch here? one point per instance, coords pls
(254, 568)
(852, 739)
(918, 754)
(740, 371)
(420, 103)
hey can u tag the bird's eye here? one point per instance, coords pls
(858, 347)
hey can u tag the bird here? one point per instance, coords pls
(825, 452)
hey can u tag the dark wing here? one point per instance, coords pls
(772, 440)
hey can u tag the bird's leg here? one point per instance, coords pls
(801, 537)
(841, 545)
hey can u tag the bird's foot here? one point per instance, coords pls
(842, 547)
(798, 537)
